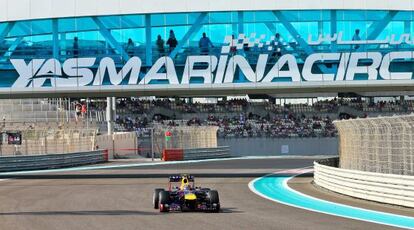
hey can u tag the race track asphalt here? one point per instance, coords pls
(122, 199)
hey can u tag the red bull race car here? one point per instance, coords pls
(185, 197)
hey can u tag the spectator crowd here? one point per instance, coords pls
(237, 117)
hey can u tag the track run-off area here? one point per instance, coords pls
(118, 195)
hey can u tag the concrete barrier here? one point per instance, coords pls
(379, 187)
(37, 162)
(266, 146)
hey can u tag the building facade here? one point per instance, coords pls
(190, 48)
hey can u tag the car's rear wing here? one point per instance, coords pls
(179, 178)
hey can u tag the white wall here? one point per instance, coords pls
(262, 146)
(379, 187)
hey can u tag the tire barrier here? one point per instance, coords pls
(50, 161)
(195, 154)
(379, 187)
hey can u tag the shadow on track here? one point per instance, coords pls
(80, 213)
(104, 213)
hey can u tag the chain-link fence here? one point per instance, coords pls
(190, 137)
(51, 141)
(134, 144)
(382, 145)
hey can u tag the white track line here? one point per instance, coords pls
(286, 186)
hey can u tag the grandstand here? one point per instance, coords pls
(272, 55)
(52, 125)
(243, 118)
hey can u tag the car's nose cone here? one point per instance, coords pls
(190, 196)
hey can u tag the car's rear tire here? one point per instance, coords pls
(164, 200)
(214, 200)
(156, 197)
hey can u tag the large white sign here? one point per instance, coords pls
(81, 71)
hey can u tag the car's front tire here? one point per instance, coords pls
(156, 197)
(164, 200)
(214, 200)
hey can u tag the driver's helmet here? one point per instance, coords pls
(185, 186)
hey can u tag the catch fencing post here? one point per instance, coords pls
(152, 144)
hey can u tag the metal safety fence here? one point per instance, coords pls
(206, 153)
(381, 145)
(36, 162)
(195, 154)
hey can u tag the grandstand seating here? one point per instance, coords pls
(237, 117)
(248, 119)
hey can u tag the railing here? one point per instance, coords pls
(379, 187)
(21, 163)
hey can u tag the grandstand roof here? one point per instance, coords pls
(13, 10)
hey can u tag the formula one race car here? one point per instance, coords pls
(186, 197)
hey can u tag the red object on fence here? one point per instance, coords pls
(106, 154)
(173, 155)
